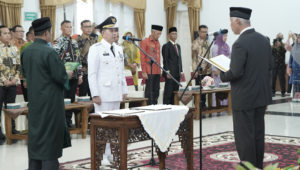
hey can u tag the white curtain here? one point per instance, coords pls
(59, 19)
(101, 11)
(70, 10)
(129, 20)
(123, 13)
(85, 12)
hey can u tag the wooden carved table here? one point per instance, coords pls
(81, 120)
(210, 108)
(120, 131)
(24, 136)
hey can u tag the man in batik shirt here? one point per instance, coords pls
(9, 72)
(85, 41)
(68, 51)
(199, 47)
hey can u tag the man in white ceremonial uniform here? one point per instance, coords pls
(106, 74)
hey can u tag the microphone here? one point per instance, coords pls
(128, 38)
(216, 33)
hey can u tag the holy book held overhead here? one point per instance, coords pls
(221, 62)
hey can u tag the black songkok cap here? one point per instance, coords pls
(157, 27)
(41, 24)
(240, 12)
(172, 29)
(110, 22)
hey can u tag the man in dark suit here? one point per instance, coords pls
(251, 62)
(171, 53)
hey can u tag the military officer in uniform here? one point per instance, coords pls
(106, 74)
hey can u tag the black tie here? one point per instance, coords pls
(112, 50)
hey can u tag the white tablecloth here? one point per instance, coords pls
(161, 125)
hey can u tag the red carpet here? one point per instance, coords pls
(219, 152)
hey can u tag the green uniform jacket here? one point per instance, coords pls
(45, 74)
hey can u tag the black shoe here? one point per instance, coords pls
(282, 95)
(2, 136)
(14, 131)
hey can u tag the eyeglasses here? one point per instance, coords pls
(204, 32)
(20, 31)
(87, 26)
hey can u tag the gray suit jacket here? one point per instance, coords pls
(251, 62)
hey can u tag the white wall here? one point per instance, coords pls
(269, 17)
(29, 6)
(156, 15)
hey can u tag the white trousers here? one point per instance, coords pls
(107, 106)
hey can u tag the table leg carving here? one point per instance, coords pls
(107, 135)
(115, 151)
(185, 144)
(100, 149)
(185, 139)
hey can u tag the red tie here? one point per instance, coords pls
(176, 48)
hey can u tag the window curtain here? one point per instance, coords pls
(101, 11)
(194, 15)
(124, 13)
(84, 11)
(59, 19)
(194, 20)
(139, 18)
(70, 11)
(136, 4)
(49, 11)
(139, 7)
(10, 13)
(171, 10)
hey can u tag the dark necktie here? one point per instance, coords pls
(176, 48)
(112, 50)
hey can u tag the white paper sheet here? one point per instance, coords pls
(221, 62)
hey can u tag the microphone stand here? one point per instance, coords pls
(199, 68)
(152, 161)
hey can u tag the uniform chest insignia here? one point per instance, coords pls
(121, 56)
(105, 54)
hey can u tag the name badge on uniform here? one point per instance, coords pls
(121, 56)
(14, 61)
(105, 54)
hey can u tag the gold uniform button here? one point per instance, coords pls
(118, 82)
(116, 60)
(117, 67)
(103, 84)
(118, 74)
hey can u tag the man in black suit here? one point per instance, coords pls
(171, 53)
(251, 62)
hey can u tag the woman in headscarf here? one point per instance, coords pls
(132, 58)
(294, 68)
(220, 47)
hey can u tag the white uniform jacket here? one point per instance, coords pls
(106, 73)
